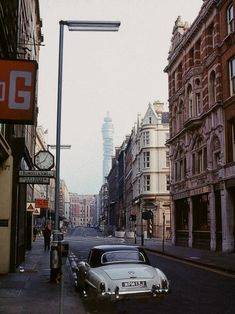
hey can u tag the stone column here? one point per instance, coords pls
(211, 198)
(190, 222)
(173, 222)
(227, 221)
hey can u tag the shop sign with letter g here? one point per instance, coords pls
(17, 91)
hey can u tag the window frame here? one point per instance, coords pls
(146, 138)
(230, 19)
(147, 182)
(146, 159)
(232, 76)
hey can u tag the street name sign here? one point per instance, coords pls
(37, 173)
(34, 180)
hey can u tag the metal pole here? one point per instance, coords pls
(58, 143)
(142, 231)
(58, 126)
(61, 290)
(135, 233)
(163, 233)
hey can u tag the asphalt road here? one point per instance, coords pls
(194, 290)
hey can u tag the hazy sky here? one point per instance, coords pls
(120, 72)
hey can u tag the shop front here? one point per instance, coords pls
(181, 222)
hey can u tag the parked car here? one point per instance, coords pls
(114, 272)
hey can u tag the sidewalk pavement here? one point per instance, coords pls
(29, 290)
(214, 260)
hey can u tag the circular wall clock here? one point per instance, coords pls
(44, 160)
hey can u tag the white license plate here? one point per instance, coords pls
(127, 284)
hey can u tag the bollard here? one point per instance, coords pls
(55, 257)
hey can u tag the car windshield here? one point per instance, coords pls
(122, 256)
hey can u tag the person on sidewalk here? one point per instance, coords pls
(47, 238)
(35, 232)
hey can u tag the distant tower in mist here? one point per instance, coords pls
(107, 132)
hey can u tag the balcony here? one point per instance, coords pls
(193, 123)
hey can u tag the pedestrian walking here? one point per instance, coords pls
(35, 232)
(47, 238)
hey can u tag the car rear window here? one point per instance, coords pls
(122, 256)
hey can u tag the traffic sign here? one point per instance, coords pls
(37, 173)
(30, 207)
(34, 180)
(36, 211)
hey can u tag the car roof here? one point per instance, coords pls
(94, 258)
(115, 247)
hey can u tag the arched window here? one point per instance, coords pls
(199, 156)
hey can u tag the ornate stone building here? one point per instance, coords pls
(201, 70)
(150, 172)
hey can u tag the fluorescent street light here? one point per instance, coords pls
(93, 26)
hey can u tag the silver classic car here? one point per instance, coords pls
(114, 272)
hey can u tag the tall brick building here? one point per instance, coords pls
(201, 75)
(20, 38)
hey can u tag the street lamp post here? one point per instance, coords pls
(101, 26)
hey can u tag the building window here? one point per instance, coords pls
(199, 157)
(232, 136)
(150, 120)
(211, 38)
(167, 158)
(180, 166)
(180, 115)
(174, 81)
(176, 172)
(230, 19)
(146, 159)
(146, 140)
(199, 161)
(212, 88)
(168, 183)
(190, 101)
(138, 187)
(138, 163)
(198, 104)
(174, 121)
(147, 182)
(191, 57)
(232, 76)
